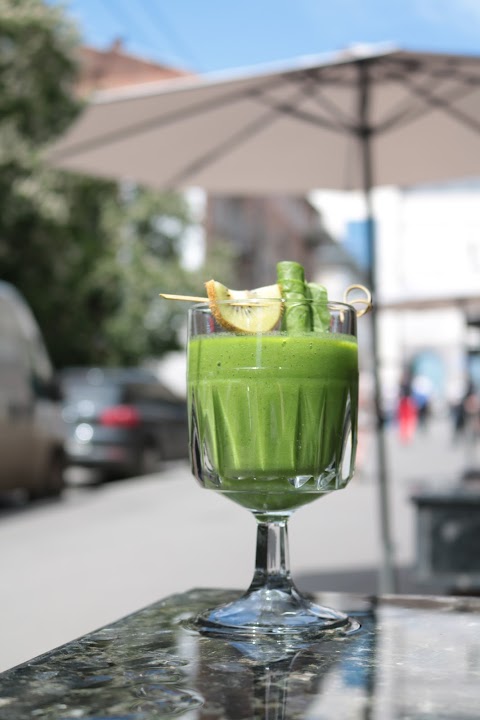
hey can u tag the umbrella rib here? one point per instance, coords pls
(305, 116)
(307, 79)
(226, 146)
(444, 104)
(217, 152)
(335, 111)
(403, 113)
(314, 80)
(144, 126)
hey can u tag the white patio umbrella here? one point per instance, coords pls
(352, 120)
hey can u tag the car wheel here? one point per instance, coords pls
(53, 481)
(148, 459)
(110, 476)
(56, 475)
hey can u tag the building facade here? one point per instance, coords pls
(263, 230)
(428, 281)
(112, 68)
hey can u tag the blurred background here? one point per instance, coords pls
(99, 514)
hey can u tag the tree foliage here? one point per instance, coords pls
(89, 256)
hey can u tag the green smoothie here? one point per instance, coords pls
(270, 415)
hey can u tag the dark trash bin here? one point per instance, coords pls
(448, 539)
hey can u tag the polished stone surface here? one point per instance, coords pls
(415, 658)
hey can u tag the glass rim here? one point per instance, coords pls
(330, 304)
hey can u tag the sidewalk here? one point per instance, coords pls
(102, 552)
(432, 461)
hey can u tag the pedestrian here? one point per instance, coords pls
(467, 414)
(407, 411)
(422, 393)
(407, 416)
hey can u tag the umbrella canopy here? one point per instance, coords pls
(289, 129)
(352, 120)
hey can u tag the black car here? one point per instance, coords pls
(122, 421)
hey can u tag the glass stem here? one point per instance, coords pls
(272, 567)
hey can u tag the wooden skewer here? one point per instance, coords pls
(367, 300)
(186, 298)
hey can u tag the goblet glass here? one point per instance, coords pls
(273, 426)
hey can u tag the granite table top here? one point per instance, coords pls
(415, 658)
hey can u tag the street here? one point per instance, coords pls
(72, 565)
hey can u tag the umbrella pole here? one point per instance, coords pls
(387, 577)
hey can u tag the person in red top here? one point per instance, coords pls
(407, 413)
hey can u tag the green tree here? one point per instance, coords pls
(147, 262)
(89, 256)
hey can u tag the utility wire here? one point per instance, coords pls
(128, 21)
(116, 10)
(170, 33)
(120, 12)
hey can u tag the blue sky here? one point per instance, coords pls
(211, 35)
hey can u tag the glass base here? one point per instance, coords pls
(274, 612)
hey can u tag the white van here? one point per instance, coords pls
(32, 432)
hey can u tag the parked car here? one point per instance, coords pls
(32, 432)
(121, 421)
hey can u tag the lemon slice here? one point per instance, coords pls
(247, 310)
